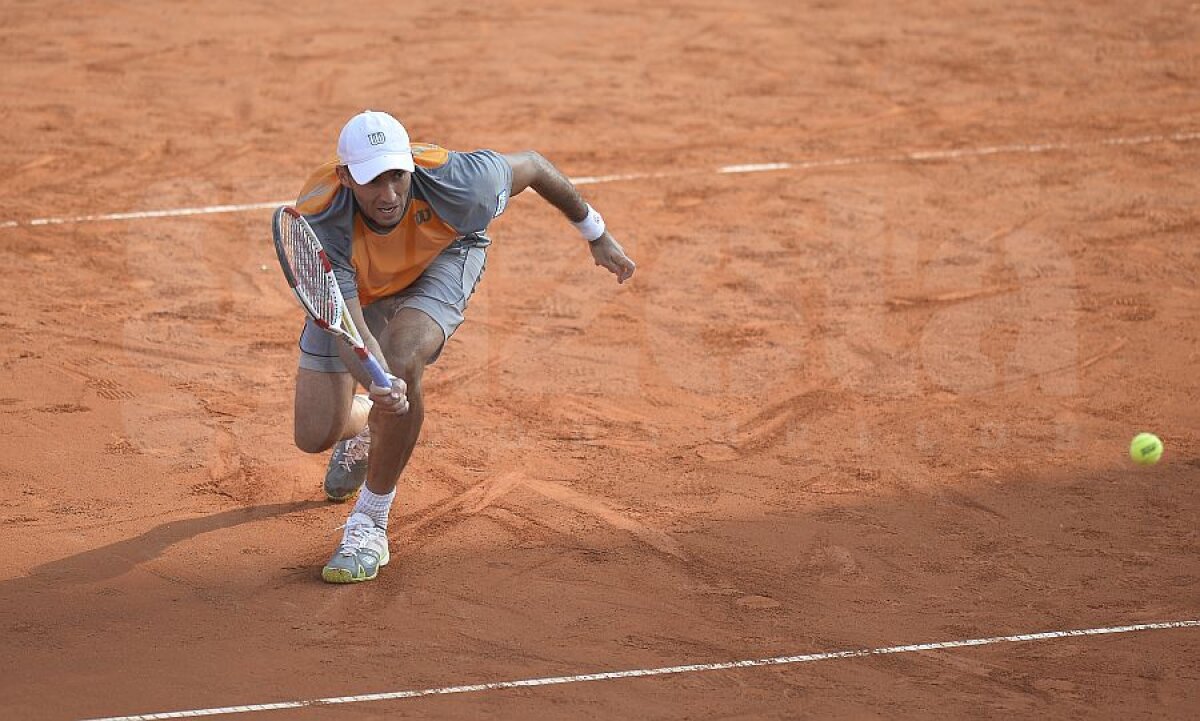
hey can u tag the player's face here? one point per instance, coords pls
(383, 198)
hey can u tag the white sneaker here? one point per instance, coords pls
(363, 551)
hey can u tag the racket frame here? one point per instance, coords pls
(342, 325)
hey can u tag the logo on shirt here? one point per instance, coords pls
(501, 203)
(376, 138)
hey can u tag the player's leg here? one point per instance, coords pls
(329, 414)
(412, 340)
(325, 411)
(418, 322)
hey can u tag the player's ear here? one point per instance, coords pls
(343, 175)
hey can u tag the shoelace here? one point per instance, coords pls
(356, 450)
(355, 539)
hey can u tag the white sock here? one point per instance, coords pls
(374, 505)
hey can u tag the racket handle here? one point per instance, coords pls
(378, 376)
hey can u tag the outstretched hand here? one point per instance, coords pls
(609, 254)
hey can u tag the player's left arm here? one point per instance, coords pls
(531, 170)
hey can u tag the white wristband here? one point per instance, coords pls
(592, 225)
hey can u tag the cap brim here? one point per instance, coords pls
(368, 170)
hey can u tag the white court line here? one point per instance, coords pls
(911, 157)
(642, 673)
(596, 179)
(143, 214)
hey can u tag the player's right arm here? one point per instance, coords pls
(393, 401)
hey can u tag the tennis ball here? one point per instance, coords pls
(1145, 449)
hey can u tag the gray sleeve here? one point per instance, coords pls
(334, 227)
(468, 191)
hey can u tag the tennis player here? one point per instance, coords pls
(405, 227)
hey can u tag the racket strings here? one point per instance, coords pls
(310, 269)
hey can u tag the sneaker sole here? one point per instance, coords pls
(341, 575)
(340, 499)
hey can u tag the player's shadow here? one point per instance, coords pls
(115, 559)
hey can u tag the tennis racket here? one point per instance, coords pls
(310, 275)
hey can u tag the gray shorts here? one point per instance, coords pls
(441, 292)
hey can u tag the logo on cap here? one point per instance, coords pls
(377, 138)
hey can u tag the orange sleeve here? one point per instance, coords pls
(319, 189)
(429, 156)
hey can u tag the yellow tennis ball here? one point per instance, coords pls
(1146, 449)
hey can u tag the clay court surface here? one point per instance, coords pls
(879, 396)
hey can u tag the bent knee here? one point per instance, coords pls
(409, 367)
(312, 442)
(411, 343)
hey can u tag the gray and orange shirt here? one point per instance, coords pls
(454, 195)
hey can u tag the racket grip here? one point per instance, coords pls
(378, 376)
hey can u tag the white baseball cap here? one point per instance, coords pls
(372, 143)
